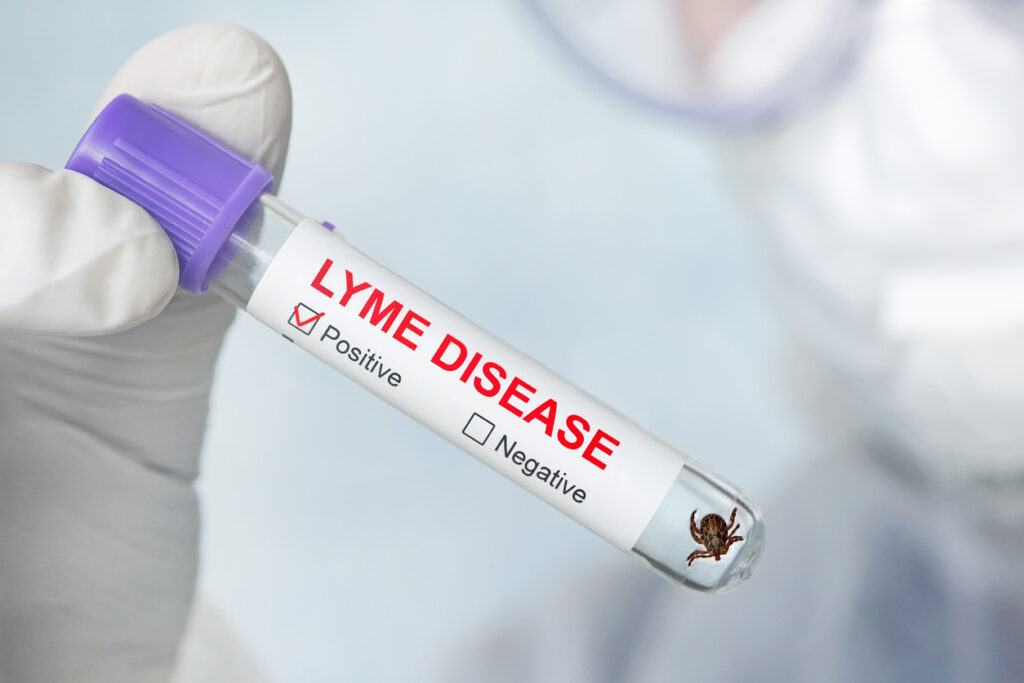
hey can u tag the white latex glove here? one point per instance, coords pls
(100, 435)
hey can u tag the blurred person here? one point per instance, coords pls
(877, 144)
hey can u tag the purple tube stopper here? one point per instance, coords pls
(197, 189)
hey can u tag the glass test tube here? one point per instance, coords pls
(301, 279)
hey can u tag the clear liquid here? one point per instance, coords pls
(668, 541)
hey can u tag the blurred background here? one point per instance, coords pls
(453, 143)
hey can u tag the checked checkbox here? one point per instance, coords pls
(478, 428)
(304, 318)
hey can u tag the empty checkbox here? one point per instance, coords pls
(478, 428)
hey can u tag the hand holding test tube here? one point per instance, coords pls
(102, 414)
(169, 433)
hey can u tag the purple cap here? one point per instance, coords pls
(197, 189)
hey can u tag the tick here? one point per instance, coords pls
(714, 534)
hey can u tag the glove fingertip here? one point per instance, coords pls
(222, 78)
(80, 259)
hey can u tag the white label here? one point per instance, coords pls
(492, 401)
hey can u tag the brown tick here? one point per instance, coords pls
(714, 534)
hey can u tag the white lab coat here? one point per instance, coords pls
(892, 212)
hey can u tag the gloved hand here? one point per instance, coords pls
(100, 435)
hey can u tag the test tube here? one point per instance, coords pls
(302, 279)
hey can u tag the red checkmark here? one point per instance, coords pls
(301, 323)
